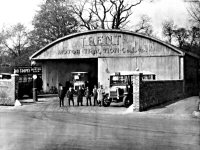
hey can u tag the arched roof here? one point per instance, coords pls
(91, 32)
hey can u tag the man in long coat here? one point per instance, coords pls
(70, 95)
(61, 94)
(100, 95)
(80, 95)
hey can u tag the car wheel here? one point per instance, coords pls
(106, 102)
(127, 101)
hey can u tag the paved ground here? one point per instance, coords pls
(180, 108)
(50, 103)
(45, 126)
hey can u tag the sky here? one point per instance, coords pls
(161, 10)
(18, 11)
(23, 11)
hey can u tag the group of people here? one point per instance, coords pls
(97, 94)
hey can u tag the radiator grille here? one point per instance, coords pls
(113, 94)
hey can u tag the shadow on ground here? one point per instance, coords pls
(164, 105)
(180, 106)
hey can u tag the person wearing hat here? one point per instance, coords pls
(80, 95)
(61, 94)
(88, 96)
(95, 94)
(100, 94)
(70, 95)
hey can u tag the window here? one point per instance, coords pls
(118, 80)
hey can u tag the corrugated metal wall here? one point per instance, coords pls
(165, 68)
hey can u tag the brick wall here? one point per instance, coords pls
(8, 90)
(153, 93)
(147, 94)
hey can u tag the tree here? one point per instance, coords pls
(14, 40)
(53, 21)
(83, 12)
(15, 46)
(103, 14)
(1, 43)
(181, 36)
(168, 30)
(185, 38)
(121, 13)
(194, 11)
(194, 36)
(144, 26)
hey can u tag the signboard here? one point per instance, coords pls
(105, 45)
(28, 70)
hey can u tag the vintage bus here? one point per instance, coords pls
(79, 79)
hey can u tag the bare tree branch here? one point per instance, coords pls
(105, 13)
(144, 26)
(194, 11)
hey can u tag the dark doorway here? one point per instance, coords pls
(79, 65)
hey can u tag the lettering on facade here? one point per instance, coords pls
(101, 40)
(105, 45)
(69, 52)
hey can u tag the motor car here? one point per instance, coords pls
(121, 87)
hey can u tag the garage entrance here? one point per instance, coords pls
(60, 71)
(84, 65)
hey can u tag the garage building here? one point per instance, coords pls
(102, 52)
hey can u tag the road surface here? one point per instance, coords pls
(30, 128)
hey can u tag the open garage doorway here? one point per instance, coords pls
(60, 71)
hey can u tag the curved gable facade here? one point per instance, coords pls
(102, 52)
(105, 43)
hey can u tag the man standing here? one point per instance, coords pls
(80, 93)
(95, 94)
(70, 95)
(88, 96)
(61, 94)
(100, 92)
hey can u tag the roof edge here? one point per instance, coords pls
(106, 31)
